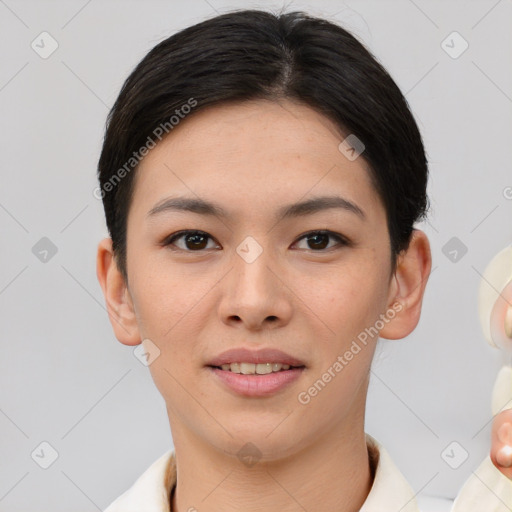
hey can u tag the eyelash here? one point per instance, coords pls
(342, 241)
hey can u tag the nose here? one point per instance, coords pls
(255, 294)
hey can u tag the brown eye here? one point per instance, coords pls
(197, 241)
(319, 240)
(193, 241)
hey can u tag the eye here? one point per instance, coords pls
(318, 240)
(194, 240)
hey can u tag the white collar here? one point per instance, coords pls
(390, 490)
(151, 491)
(486, 489)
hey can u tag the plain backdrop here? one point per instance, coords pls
(73, 398)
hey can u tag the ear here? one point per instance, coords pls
(408, 286)
(117, 296)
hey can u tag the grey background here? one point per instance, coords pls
(64, 378)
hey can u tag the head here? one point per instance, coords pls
(222, 129)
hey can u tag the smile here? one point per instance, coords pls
(254, 369)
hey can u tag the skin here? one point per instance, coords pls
(501, 438)
(252, 159)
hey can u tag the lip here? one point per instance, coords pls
(257, 385)
(264, 355)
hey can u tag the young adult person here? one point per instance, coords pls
(261, 176)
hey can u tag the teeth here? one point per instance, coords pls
(248, 368)
(252, 368)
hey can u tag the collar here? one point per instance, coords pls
(151, 491)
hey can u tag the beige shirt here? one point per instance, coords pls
(487, 490)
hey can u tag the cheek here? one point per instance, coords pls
(161, 299)
(170, 311)
(351, 301)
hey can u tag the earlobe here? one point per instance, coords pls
(117, 296)
(408, 286)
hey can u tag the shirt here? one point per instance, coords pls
(487, 490)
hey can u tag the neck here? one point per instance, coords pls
(333, 473)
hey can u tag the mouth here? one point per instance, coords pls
(256, 373)
(256, 380)
(250, 361)
(256, 369)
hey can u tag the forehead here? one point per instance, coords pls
(259, 150)
(246, 128)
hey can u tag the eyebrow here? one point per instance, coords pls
(300, 209)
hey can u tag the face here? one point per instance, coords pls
(255, 278)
